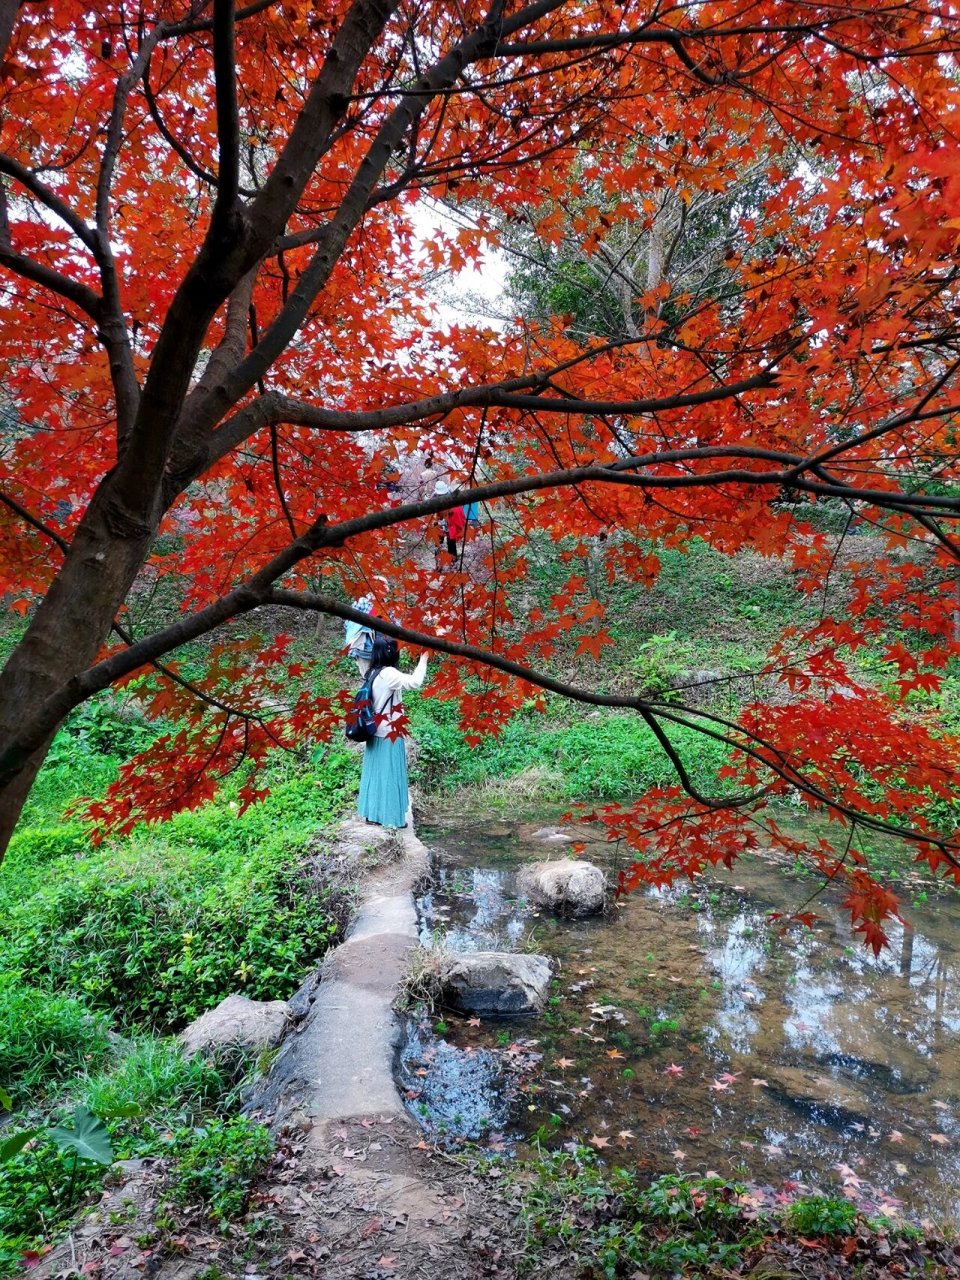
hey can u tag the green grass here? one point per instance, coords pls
(177, 1103)
(593, 756)
(216, 1164)
(46, 1039)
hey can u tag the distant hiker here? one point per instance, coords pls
(456, 528)
(384, 794)
(358, 637)
(452, 525)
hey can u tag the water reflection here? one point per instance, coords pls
(734, 1048)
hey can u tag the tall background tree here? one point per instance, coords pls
(216, 348)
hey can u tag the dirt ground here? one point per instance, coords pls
(359, 1199)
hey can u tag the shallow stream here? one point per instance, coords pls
(685, 1032)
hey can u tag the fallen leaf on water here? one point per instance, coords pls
(759, 1082)
(625, 1135)
(678, 1154)
(720, 1086)
(900, 1167)
(772, 1150)
(473, 1022)
(895, 1135)
(597, 1142)
(673, 1070)
(615, 1053)
(563, 1063)
(941, 1106)
(940, 1138)
(729, 1077)
(385, 1262)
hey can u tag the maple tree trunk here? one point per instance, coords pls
(67, 631)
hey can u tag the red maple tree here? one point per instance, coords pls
(215, 324)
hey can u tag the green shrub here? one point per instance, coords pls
(821, 1216)
(46, 1039)
(164, 924)
(216, 1165)
(171, 932)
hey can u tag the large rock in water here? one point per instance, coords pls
(568, 886)
(252, 1024)
(495, 983)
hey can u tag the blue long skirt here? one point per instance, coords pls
(384, 794)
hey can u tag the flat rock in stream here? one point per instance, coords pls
(495, 983)
(253, 1024)
(836, 1100)
(569, 886)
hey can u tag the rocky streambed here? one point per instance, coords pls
(681, 1031)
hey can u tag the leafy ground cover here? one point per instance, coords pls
(581, 1219)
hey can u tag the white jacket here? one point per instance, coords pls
(389, 684)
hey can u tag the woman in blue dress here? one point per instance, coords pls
(384, 792)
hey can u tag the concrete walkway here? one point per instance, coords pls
(339, 1063)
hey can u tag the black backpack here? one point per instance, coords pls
(361, 718)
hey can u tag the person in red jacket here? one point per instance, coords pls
(456, 527)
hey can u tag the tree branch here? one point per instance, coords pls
(8, 16)
(34, 521)
(207, 24)
(228, 115)
(476, 45)
(79, 294)
(20, 173)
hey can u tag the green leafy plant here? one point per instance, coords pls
(608, 1220)
(217, 1164)
(46, 1174)
(821, 1215)
(163, 925)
